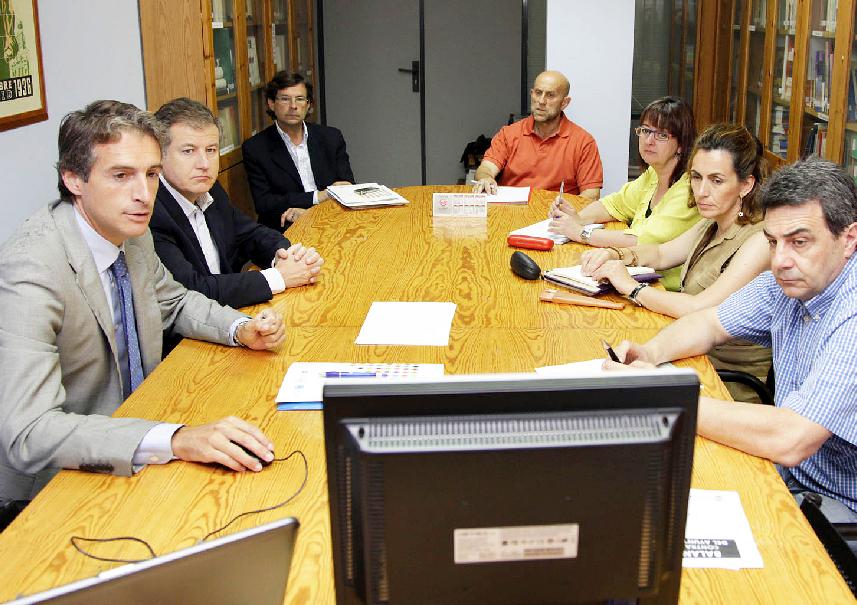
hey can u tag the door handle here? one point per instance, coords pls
(415, 75)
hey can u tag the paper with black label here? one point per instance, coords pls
(718, 534)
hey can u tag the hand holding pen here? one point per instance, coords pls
(557, 202)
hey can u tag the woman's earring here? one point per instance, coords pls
(740, 205)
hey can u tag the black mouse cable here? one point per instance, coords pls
(75, 539)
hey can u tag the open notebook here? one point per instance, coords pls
(573, 278)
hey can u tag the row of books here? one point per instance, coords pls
(823, 16)
(785, 88)
(757, 15)
(780, 130)
(221, 10)
(851, 155)
(851, 114)
(819, 76)
(816, 140)
(788, 14)
(224, 60)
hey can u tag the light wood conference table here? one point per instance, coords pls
(387, 254)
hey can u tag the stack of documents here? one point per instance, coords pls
(365, 195)
(540, 229)
(304, 381)
(573, 278)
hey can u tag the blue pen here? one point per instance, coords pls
(350, 374)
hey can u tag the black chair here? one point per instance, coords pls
(9, 509)
(765, 390)
(833, 537)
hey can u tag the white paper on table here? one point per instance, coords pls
(592, 367)
(718, 534)
(540, 229)
(407, 323)
(509, 195)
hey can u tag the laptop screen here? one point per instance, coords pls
(250, 566)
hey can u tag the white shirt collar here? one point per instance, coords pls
(202, 202)
(104, 252)
(286, 138)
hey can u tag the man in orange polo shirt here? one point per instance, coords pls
(544, 149)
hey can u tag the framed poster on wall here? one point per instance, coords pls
(22, 85)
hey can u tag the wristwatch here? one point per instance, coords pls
(587, 231)
(633, 295)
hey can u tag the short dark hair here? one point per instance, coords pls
(184, 111)
(285, 79)
(675, 116)
(814, 180)
(748, 159)
(98, 123)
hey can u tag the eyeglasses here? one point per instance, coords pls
(290, 100)
(644, 132)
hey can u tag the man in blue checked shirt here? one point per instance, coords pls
(805, 308)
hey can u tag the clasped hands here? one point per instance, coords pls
(298, 265)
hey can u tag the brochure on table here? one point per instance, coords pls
(365, 195)
(303, 383)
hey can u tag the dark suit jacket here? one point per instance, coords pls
(238, 239)
(274, 180)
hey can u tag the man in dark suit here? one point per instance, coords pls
(291, 163)
(200, 236)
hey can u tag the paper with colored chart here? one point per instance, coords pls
(302, 385)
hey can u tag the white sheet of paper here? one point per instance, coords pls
(591, 367)
(717, 534)
(510, 195)
(540, 229)
(407, 323)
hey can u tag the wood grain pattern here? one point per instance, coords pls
(385, 254)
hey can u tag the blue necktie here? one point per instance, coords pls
(126, 327)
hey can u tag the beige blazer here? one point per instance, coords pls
(59, 373)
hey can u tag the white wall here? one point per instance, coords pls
(592, 43)
(90, 50)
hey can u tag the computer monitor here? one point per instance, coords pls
(510, 489)
(250, 566)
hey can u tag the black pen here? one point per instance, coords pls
(610, 352)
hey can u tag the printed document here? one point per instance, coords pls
(407, 323)
(718, 534)
(303, 383)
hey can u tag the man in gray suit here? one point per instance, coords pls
(84, 301)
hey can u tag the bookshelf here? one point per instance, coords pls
(222, 53)
(794, 78)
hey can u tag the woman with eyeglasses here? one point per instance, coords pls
(655, 205)
(718, 255)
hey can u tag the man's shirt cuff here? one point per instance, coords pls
(155, 446)
(275, 280)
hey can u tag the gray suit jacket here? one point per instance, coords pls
(59, 373)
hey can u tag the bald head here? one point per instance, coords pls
(553, 80)
(548, 98)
